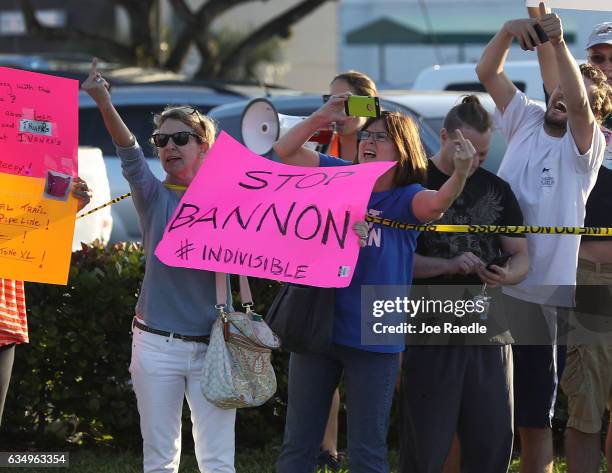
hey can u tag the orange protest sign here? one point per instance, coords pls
(38, 162)
(35, 231)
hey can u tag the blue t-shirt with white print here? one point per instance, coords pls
(386, 260)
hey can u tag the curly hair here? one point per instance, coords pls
(601, 97)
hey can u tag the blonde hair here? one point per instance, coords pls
(601, 98)
(201, 124)
(359, 82)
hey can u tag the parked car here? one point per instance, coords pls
(433, 106)
(462, 77)
(98, 225)
(137, 104)
(229, 116)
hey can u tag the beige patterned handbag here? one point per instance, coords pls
(237, 367)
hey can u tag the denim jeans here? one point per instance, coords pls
(369, 380)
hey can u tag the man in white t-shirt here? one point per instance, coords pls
(551, 164)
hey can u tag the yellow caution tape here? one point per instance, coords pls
(503, 229)
(110, 202)
(125, 196)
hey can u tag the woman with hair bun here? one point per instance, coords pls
(466, 386)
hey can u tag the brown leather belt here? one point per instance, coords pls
(163, 333)
(596, 267)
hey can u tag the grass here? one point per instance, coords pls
(252, 461)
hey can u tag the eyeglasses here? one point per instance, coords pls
(180, 138)
(379, 136)
(599, 59)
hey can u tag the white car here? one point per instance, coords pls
(433, 106)
(98, 225)
(137, 105)
(462, 77)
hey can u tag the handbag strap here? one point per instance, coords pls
(221, 287)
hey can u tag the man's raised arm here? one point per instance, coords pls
(490, 69)
(580, 118)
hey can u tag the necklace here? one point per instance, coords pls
(175, 187)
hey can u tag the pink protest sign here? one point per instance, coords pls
(38, 124)
(244, 214)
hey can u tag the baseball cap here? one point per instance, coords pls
(601, 34)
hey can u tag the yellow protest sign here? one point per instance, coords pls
(35, 231)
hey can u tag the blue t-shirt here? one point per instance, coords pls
(386, 260)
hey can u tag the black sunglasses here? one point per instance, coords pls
(180, 138)
(599, 59)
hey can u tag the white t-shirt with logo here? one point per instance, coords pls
(551, 181)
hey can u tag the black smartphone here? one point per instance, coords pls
(542, 36)
(499, 260)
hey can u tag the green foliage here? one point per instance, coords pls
(71, 383)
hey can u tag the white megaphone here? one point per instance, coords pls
(261, 125)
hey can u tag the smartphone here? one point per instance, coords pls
(362, 106)
(499, 260)
(542, 36)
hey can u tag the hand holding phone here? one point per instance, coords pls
(542, 36)
(362, 106)
(499, 260)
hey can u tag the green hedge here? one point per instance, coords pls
(71, 382)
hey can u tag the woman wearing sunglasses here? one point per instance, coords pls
(175, 310)
(369, 371)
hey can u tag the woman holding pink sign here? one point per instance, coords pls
(176, 307)
(369, 370)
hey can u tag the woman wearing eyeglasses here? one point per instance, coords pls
(369, 371)
(175, 310)
(343, 145)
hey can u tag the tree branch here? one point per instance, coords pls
(196, 29)
(34, 27)
(278, 26)
(29, 14)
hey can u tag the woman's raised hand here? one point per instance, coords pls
(96, 86)
(464, 153)
(333, 110)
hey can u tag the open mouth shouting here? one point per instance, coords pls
(369, 154)
(560, 107)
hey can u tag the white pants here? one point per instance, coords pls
(165, 371)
